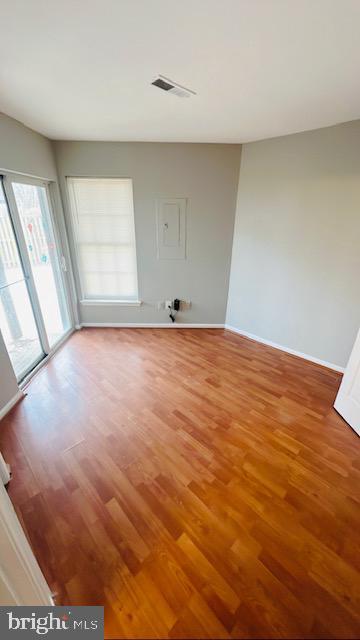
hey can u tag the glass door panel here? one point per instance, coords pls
(35, 217)
(17, 321)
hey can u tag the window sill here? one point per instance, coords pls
(111, 303)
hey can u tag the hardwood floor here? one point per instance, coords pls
(196, 483)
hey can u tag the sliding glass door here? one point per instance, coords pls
(34, 212)
(17, 320)
(34, 312)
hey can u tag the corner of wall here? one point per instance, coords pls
(233, 235)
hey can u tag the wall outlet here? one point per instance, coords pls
(185, 305)
(165, 304)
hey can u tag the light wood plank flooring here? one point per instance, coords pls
(196, 483)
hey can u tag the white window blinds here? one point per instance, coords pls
(103, 221)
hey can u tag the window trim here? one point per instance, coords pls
(82, 299)
(89, 302)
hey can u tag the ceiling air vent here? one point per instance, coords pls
(172, 87)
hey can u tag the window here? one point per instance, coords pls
(104, 233)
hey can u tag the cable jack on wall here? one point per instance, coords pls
(174, 308)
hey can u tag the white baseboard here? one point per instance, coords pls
(293, 352)
(152, 325)
(246, 334)
(9, 405)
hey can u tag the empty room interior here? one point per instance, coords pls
(179, 317)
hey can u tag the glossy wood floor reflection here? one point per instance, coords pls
(196, 483)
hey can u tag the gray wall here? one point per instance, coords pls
(25, 151)
(296, 259)
(206, 174)
(296, 254)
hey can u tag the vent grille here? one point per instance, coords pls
(172, 87)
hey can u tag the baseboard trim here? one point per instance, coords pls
(293, 352)
(152, 325)
(9, 405)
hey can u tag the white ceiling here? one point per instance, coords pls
(81, 69)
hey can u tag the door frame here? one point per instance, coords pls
(29, 278)
(21, 579)
(25, 280)
(8, 178)
(344, 404)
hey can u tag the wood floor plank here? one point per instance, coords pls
(196, 483)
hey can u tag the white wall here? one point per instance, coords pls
(296, 254)
(206, 174)
(25, 151)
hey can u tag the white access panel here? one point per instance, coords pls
(171, 228)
